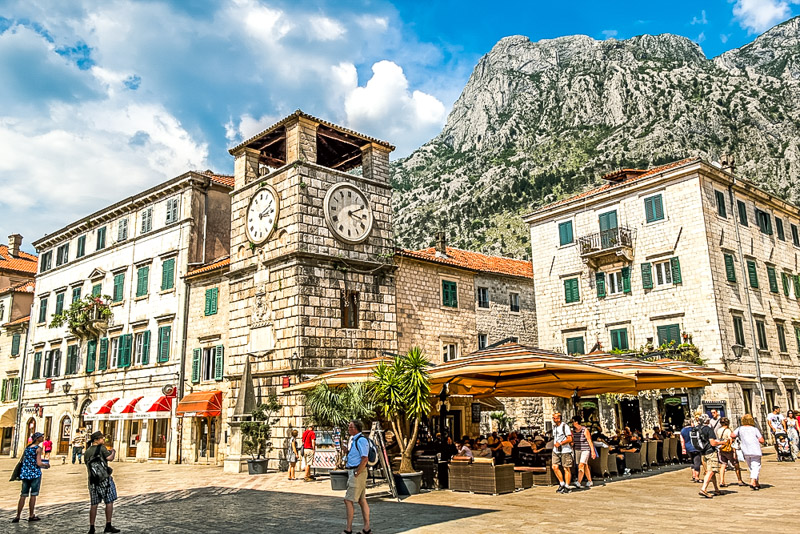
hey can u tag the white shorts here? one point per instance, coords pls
(753, 465)
(584, 457)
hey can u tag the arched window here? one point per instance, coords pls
(30, 428)
(64, 435)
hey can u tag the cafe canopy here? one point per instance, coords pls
(648, 375)
(359, 372)
(715, 376)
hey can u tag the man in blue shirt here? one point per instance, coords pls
(357, 456)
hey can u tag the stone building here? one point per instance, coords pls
(125, 380)
(17, 270)
(681, 253)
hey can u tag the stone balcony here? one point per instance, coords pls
(608, 246)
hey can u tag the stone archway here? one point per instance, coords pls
(30, 428)
(64, 435)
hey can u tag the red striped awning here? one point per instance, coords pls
(153, 407)
(124, 408)
(201, 404)
(99, 409)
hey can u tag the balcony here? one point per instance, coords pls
(607, 246)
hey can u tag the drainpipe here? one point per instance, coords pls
(21, 389)
(182, 368)
(750, 320)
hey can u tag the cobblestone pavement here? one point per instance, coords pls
(177, 499)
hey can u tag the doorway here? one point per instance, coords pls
(673, 410)
(5, 441)
(158, 440)
(109, 430)
(588, 411)
(30, 428)
(206, 441)
(608, 229)
(48, 428)
(134, 434)
(64, 435)
(630, 414)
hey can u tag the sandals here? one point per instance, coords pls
(34, 518)
(717, 493)
(705, 494)
(365, 531)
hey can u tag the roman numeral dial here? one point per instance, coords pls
(262, 214)
(348, 213)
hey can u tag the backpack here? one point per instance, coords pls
(697, 439)
(372, 452)
(98, 467)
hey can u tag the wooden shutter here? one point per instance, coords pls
(142, 279)
(565, 233)
(196, 353)
(37, 366)
(163, 343)
(15, 339)
(575, 345)
(91, 355)
(742, 212)
(649, 212)
(127, 341)
(3, 392)
(785, 283)
(730, 268)
(796, 279)
(675, 264)
(626, 279)
(14, 388)
(658, 208)
(752, 273)
(48, 364)
(59, 302)
(600, 282)
(103, 357)
(773, 279)
(167, 274)
(97, 289)
(219, 363)
(119, 284)
(146, 347)
(675, 333)
(207, 309)
(721, 211)
(647, 276)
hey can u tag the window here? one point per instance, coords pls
(122, 230)
(81, 247)
(37, 366)
(738, 330)
(97, 290)
(666, 273)
(142, 348)
(102, 357)
(781, 337)
(46, 261)
(721, 210)
(770, 400)
(483, 341)
(742, 212)
(670, 333)
(514, 301)
(72, 360)
(348, 305)
(653, 208)
(752, 274)
(164, 334)
(142, 280)
(91, 355)
(796, 279)
(797, 336)
(616, 283)
(748, 400)
(207, 364)
(730, 268)
(55, 363)
(785, 283)
(571, 291)
(795, 236)
(125, 350)
(76, 294)
(43, 310)
(10, 389)
(119, 286)
(213, 293)
(779, 229)
(575, 345)
(147, 220)
(761, 331)
(15, 341)
(172, 210)
(449, 352)
(168, 274)
(101, 238)
(773, 279)
(619, 339)
(565, 236)
(114, 356)
(449, 294)
(663, 273)
(764, 222)
(62, 254)
(59, 302)
(483, 297)
(790, 397)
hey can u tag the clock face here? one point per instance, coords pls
(262, 214)
(348, 213)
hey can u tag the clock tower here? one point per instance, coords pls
(312, 279)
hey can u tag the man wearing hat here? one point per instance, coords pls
(30, 473)
(483, 449)
(105, 490)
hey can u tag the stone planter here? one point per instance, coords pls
(257, 467)
(408, 483)
(339, 479)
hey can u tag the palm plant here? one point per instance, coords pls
(402, 390)
(504, 422)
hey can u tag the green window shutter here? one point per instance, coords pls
(37, 366)
(125, 349)
(565, 236)
(785, 283)
(103, 357)
(600, 282)
(146, 347)
(15, 389)
(626, 279)
(721, 210)
(196, 365)
(164, 334)
(752, 273)
(571, 290)
(210, 298)
(215, 301)
(668, 333)
(119, 284)
(59, 303)
(15, 340)
(649, 212)
(730, 268)
(676, 270)
(742, 212)
(449, 295)
(797, 286)
(619, 339)
(219, 362)
(773, 279)
(43, 310)
(91, 355)
(3, 392)
(142, 281)
(779, 229)
(76, 294)
(97, 290)
(647, 276)
(168, 274)
(575, 345)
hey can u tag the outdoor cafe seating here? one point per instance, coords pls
(481, 475)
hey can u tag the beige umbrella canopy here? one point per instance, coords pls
(514, 370)
(358, 372)
(648, 375)
(715, 376)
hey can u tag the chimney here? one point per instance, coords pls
(441, 244)
(728, 162)
(14, 242)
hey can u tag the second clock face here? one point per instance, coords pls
(348, 213)
(262, 214)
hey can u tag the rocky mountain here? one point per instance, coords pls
(539, 121)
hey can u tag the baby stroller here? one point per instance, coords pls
(783, 447)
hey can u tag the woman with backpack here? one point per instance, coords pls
(30, 473)
(727, 454)
(101, 485)
(689, 451)
(751, 440)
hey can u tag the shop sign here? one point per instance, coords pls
(587, 404)
(286, 381)
(476, 412)
(673, 401)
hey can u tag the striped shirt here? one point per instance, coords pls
(579, 440)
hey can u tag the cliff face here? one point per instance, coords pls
(538, 121)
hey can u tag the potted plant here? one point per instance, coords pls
(335, 408)
(86, 318)
(401, 391)
(256, 433)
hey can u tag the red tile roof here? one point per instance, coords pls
(216, 264)
(23, 287)
(634, 175)
(473, 261)
(222, 179)
(24, 262)
(21, 320)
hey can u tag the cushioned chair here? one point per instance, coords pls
(611, 466)
(643, 453)
(523, 477)
(633, 461)
(459, 473)
(663, 451)
(599, 465)
(652, 450)
(490, 479)
(673, 449)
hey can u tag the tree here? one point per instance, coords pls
(257, 431)
(504, 422)
(402, 390)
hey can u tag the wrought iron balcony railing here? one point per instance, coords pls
(607, 240)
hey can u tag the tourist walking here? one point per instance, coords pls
(47, 445)
(704, 440)
(357, 457)
(751, 440)
(101, 485)
(715, 421)
(791, 426)
(30, 473)
(78, 444)
(689, 451)
(309, 448)
(584, 448)
(292, 454)
(727, 453)
(562, 453)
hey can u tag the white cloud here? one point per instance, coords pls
(701, 20)
(609, 34)
(368, 23)
(325, 29)
(724, 37)
(700, 38)
(757, 16)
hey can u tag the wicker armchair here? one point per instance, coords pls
(459, 473)
(652, 451)
(487, 478)
(599, 465)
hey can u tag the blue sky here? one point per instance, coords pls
(103, 98)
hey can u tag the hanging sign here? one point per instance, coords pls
(476, 412)
(673, 401)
